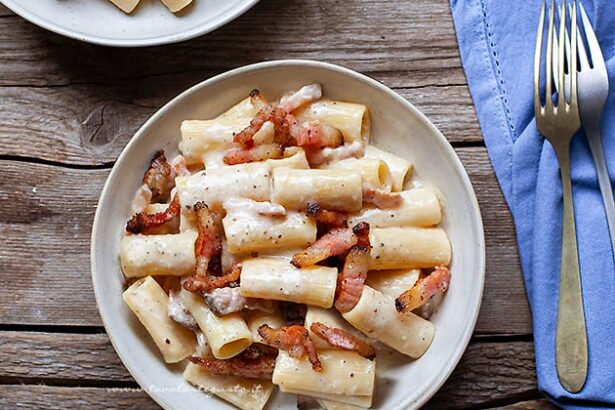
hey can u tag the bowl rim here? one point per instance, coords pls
(460, 347)
(37, 20)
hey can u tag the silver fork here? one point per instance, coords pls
(593, 89)
(558, 123)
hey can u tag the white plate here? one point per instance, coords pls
(396, 126)
(151, 23)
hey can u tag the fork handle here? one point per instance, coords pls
(595, 144)
(571, 338)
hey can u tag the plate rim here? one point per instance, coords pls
(460, 348)
(14, 6)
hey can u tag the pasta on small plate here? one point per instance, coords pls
(311, 238)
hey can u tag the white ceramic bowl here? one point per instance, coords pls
(151, 23)
(396, 126)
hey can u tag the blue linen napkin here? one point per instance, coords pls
(496, 41)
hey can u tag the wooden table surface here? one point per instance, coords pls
(68, 108)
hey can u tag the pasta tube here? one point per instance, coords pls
(142, 255)
(335, 405)
(257, 318)
(213, 186)
(127, 6)
(420, 207)
(247, 231)
(400, 168)
(295, 159)
(148, 302)
(227, 335)
(207, 141)
(343, 374)
(373, 171)
(277, 279)
(351, 119)
(335, 189)
(393, 282)
(399, 248)
(247, 394)
(176, 5)
(376, 316)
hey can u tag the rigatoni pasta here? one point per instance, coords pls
(247, 394)
(419, 207)
(227, 336)
(205, 142)
(277, 279)
(344, 374)
(409, 247)
(351, 119)
(373, 171)
(376, 316)
(338, 189)
(290, 248)
(143, 255)
(400, 168)
(147, 300)
(247, 230)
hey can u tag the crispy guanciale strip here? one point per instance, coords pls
(252, 363)
(351, 278)
(424, 289)
(361, 230)
(159, 177)
(333, 219)
(335, 242)
(201, 284)
(256, 153)
(267, 112)
(313, 134)
(142, 222)
(207, 244)
(293, 339)
(343, 339)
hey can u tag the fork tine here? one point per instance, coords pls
(537, 57)
(556, 60)
(561, 55)
(583, 60)
(574, 36)
(550, 35)
(592, 42)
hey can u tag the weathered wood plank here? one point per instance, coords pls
(45, 220)
(78, 398)
(370, 36)
(541, 404)
(91, 124)
(68, 357)
(487, 372)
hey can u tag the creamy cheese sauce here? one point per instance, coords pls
(179, 313)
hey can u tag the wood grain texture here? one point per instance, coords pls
(541, 404)
(488, 372)
(46, 214)
(90, 124)
(370, 36)
(32, 397)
